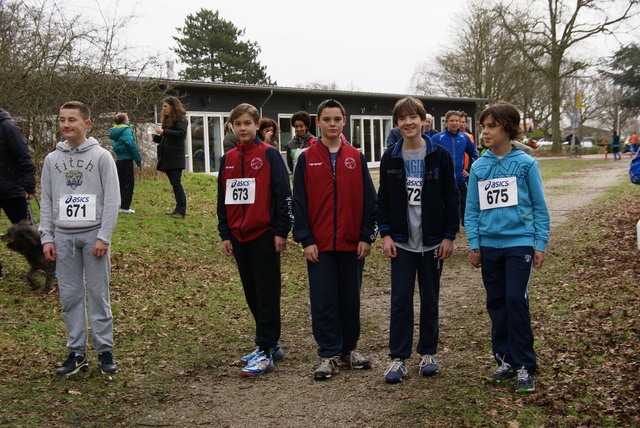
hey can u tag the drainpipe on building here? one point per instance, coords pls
(265, 102)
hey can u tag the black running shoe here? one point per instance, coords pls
(106, 363)
(524, 382)
(73, 365)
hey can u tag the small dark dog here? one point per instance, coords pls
(24, 238)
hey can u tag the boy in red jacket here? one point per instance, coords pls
(335, 207)
(254, 219)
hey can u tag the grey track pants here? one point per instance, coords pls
(83, 280)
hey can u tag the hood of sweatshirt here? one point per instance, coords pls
(84, 147)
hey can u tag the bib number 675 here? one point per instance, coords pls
(497, 195)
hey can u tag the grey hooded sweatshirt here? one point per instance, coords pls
(80, 191)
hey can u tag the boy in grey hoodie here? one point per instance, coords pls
(78, 213)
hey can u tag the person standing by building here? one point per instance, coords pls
(170, 138)
(123, 143)
(458, 144)
(269, 132)
(428, 126)
(301, 121)
(17, 172)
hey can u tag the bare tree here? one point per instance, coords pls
(51, 57)
(484, 61)
(319, 85)
(546, 36)
(481, 61)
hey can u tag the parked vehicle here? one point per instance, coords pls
(542, 142)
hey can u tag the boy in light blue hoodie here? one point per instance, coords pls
(507, 224)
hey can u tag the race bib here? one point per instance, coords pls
(414, 191)
(498, 193)
(77, 207)
(240, 191)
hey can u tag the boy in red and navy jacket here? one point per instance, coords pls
(335, 207)
(254, 219)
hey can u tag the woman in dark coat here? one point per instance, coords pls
(171, 156)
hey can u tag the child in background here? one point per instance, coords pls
(268, 132)
(123, 143)
(301, 121)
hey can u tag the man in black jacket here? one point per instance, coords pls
(17, 172)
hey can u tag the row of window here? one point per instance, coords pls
(368, 133)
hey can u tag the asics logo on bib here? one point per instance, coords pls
(240, 183)
(76, 199)
(496, 184)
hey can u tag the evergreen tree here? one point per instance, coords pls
(212, 50)
(625, 66)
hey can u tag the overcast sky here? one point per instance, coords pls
(371, 46)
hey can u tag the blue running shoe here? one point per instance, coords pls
(260, 365)
(276, 354)
(428, 365)
(395, 372)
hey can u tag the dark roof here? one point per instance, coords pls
(250, 87)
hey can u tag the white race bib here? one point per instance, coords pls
(77, 207)
(498, 193)
(240, 191)
(414, 190)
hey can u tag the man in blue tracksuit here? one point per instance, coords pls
(507, 224)
(457, 143)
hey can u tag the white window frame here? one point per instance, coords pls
(205, 115)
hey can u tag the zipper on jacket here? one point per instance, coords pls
(244, 207)
(334, 170)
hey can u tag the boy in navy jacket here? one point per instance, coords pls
(335, 209)
(418, 218)
(254, 219)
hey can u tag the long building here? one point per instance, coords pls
(369, 118)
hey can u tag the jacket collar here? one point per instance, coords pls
(397, 148)
(249, 146)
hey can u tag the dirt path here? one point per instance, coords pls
(289, 397)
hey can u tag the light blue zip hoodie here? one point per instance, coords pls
(524, 224)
